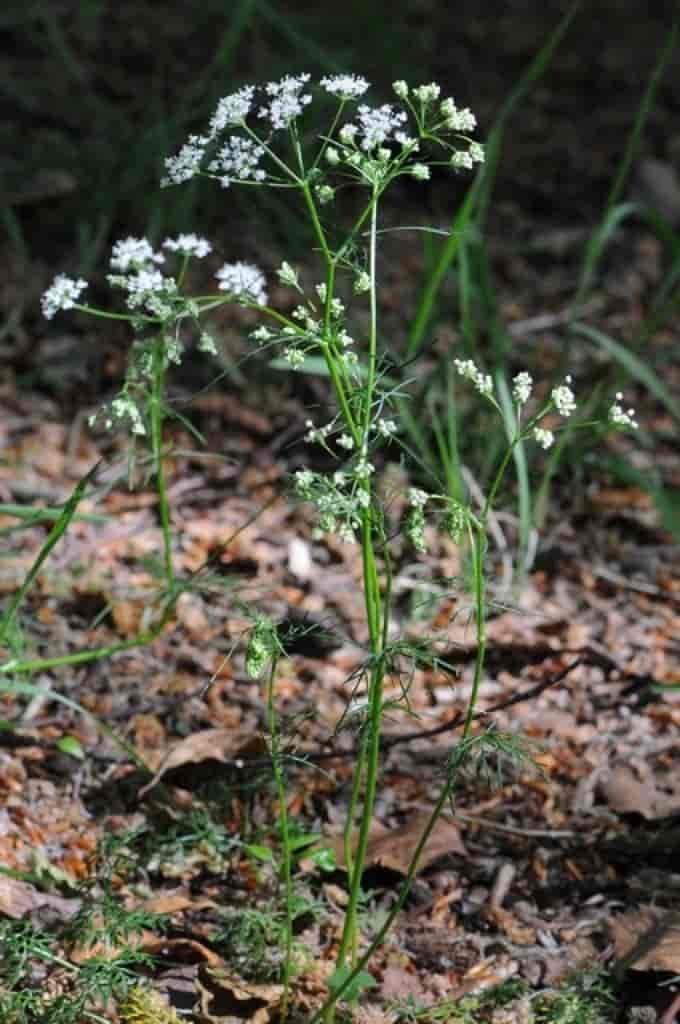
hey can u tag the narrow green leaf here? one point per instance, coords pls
(632, 364)
(71, 746)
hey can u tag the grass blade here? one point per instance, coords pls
(55, 535)
(632, 364)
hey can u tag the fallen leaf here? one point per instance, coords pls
(394, 848)
(225, 996)
(174, 902)
(647, 939)
(398, 983)
(209, 745)
(627, 794)
(18, 898)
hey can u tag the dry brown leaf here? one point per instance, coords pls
(520, 934)
(627, 794)
(394, 848)
(647, 939)
(225, 996)
(398, 983)
(181, 950)
(220, 745)
(18, 898)
(174, 902)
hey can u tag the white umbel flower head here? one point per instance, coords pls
(244, 280)
(286, 100)
(187, 163)
(483, 382)
(62, 294)
(521, 387)
(563, 397)
(376, 125)
(232, 110)
(189, 245)
(133, 253)
(345, 87)
(238, 160)
(544, 437)
(417, 498)
(620, 417)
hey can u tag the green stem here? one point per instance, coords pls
(156, 414)
(370, 749)
(478, 542)
(280, 782)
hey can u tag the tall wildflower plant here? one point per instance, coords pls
(256, 139)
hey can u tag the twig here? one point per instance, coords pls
(517, 698)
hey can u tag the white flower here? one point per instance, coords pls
(287, 100)
(563, 397)
(386, 428)
(417, 498)
(187, 163)
(135, 253)
(244, 280)
(458, 120)
(461, 159)
(619, 417)
(332, 156)
(544, 437)
(189, 245)
(483, 382)
(376, 125)
(521, 389)
(345, 441)
(345, 87)
(288, 276)
(421, 172)
(206, 343)
(400, 88)
(232, 110)
(123, 408)
(238, 160)
(261, 334)
(348, 133)
(363, 469)
(362, 282)
(476, 153)
(146, 280)
(294, 357)
(62, 294)
(427, 93)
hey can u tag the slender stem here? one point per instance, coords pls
(279, 779)
(478, 542)
(156, 414)
(376, 626)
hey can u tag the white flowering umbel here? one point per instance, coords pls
(562, 403)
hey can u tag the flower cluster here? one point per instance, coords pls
(147, 288)
(362, 144)
(63, 293)
(238, 160)
(482, 381)
(285, 100)
(340, 498)
(619, 417)
(563, 398)
(415, 519)
(245, 282)
(522, 386)
(345, 87)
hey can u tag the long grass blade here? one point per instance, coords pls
(632, 364)
(54, 536)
